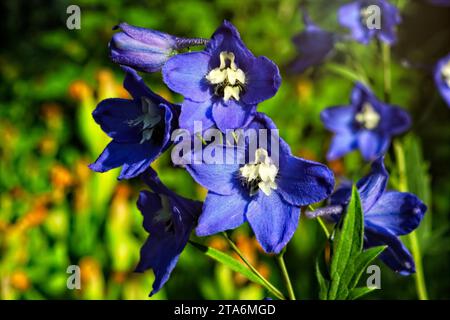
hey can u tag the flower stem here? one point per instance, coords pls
(414, 242)
(419, 276)
(321, 223)
(386, 53)
(277, 293)
(287, 280)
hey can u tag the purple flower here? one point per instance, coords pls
(387, 215)
(140, 128)
(366, 124)
(313, 45)
(257, 189)
(145, 49)
(361, 18)
(442, 78)
(169, 219)
(222, 84)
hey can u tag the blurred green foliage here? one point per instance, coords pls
(54, 212)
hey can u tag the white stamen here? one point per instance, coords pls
(262, 171)
(235, 75)
(216, 76)
(229, 77)
(446, 73)
(229, 92)
(365, 13)
(368, 117)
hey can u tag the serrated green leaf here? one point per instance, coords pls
(359, 292)
(347, 245)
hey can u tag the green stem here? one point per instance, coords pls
(419, 276)
(386, 53)
(321, 223)
(412, 237)
(285, 274)
(277, 293)
(403, 180)
(324, 227)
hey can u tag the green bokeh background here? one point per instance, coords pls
(54, 212)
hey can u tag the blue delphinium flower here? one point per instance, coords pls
(140, 128)
(387, 215)
(366, 124)
(222, 84)
(442, 78)
(256, 189)
(313, 45)
(169, 219)
(145, 49)
(357, 17)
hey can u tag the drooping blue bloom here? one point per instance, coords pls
(140, 128)
(222, 84)
(442, 78)
(387, 215)
(145, 49)
(313, 45)
(358, 16)
(366, 124)
(169, 219)
(258, 189)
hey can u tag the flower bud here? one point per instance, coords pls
(145, 49)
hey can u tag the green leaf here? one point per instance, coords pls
(230, 262)
(418, 180)
(349, 261)
(362, 262)
(345, 72)
(324, 284)
(346, 246)
(359, 292)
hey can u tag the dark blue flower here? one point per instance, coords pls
(442, 78)
(357, 16)
(387, 215)
(366, 124)
(169, 219)
(222, 84)
(258, 189)
(140, 128)
(145, 49)
(313, 45)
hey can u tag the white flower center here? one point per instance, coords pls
(149, 119)
(446, 73)
(365, 13)
(368, 117)
(227, 78)
(260, 174)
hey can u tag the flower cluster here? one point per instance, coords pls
(249, 178)
(222, 86)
